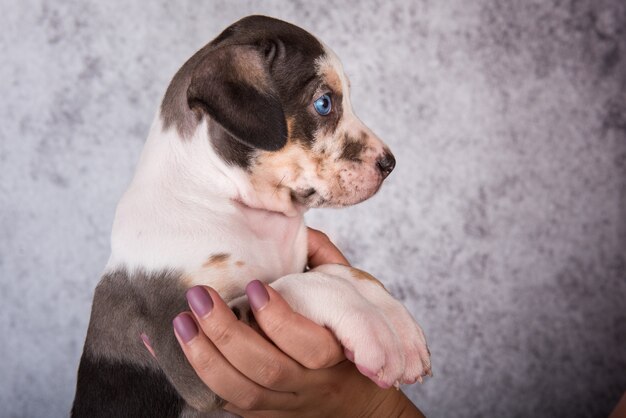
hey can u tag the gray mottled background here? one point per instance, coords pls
(503, 228)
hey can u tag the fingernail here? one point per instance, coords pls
(257, 295)
(199, 300)
(349, 354)
(185, 327)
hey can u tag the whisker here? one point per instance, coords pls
(278, 185)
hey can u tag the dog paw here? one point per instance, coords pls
(377, 332)
(406, 354)
(386, 345)
(413, 342)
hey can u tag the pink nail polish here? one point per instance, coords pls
(185, 327)
(257, 295)
(199, 300)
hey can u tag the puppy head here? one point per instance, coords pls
(278, 108)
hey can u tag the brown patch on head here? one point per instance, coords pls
(361, 275)
(279, 164)
(239, 263)
(291, 127)
(218, 260)
(250, 70)
(331, 78)
(352, 149)
(284, 176)
(302, 120)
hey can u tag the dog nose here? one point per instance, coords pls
(386, 163)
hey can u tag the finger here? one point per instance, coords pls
(309, 344)
(218, 374)
(254, 356)
(322, 251)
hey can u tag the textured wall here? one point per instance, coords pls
(503, 228)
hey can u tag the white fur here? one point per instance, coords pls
(181, 208)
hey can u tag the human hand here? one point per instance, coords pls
(303, 374)
(321, 250)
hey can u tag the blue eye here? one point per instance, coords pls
(323, 105)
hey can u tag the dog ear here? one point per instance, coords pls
(233, 85)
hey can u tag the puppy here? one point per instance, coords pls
(254, 129)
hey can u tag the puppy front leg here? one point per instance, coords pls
(387, 344)
(125, 307)
(173, 362)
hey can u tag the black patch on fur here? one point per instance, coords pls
(115, 389)
(228, 148)
(250, 113)
(251, 116)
